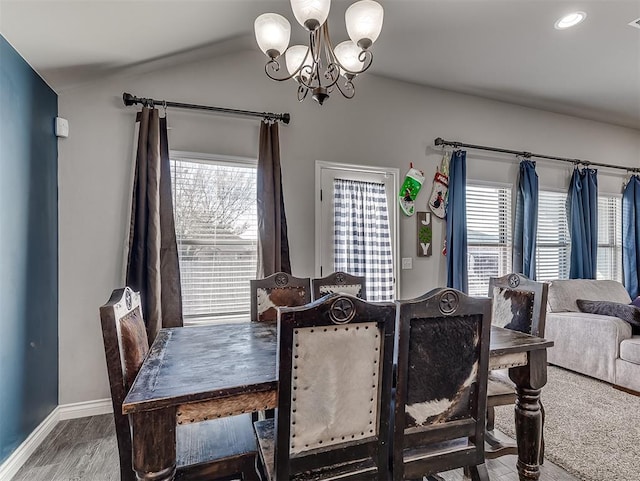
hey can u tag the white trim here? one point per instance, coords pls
(85, 409)
(16, 460)
(490, 183)
(195, 156)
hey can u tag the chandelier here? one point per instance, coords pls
(319, 67)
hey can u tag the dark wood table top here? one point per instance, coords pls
(506, 341)
(190, 364)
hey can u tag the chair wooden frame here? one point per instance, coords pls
(339, 279)
(359, 460)
(235, 461)
(501, 391)
(411, 457)
(279, 281)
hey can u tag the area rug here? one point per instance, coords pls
(591, 429)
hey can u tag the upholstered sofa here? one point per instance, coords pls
(599, 346)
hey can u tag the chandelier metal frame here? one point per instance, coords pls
(324, 65)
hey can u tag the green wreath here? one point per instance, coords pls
(425, 234)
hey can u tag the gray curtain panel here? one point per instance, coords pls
(152, 263)
(273, 242)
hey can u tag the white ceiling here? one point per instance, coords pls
(500, 49)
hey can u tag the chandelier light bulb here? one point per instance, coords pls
(311, 13)
(272, 34)
(347, 54)
(295, 56)
(364, 22)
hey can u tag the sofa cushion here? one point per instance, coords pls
(564, 293)
(636, 301)
(630, 350)
(628, 313)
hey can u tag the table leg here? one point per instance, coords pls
(154, 444)
(529, 381)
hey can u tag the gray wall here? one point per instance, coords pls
(29, 249)
(389, 123)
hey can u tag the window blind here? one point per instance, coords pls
(610, 237)
(216, 230)
(552, 241)
(488, 235)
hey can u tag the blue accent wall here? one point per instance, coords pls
(28, 250)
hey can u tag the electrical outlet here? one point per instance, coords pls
(407, 263)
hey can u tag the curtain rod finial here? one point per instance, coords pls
(286, 118)
(128, 99)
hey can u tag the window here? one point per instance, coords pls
(214, 201)
(552, 241)
(610, 237)
(488, 235)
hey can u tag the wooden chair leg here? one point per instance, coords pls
(491, 418)
(541, 460)
(479, 473)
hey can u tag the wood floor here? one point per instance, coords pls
(85, 449)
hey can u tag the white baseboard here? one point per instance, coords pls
(10, 467)
(84, 409)
(14, 462)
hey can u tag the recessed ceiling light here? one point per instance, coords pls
(570, 20)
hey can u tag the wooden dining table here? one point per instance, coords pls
(193, 374)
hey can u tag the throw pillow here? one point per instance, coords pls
(626, 312)
(636, 302)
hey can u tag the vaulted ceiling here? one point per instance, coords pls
(504, 50)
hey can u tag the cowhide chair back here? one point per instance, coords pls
(519, 303)
(443, 355)
(123, 331)
(334, 392)
(277, 290)
(339, 282)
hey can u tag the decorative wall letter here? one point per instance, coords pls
(425, 233)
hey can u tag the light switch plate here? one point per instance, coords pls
(407, 263)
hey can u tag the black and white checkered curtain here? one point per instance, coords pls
(362, 240)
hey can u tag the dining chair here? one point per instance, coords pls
(341, 282)
(335, 360)
(277, 290)
(213, 450)
(520, 304)
(440, 403)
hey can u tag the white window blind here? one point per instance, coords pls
(216, 228)
(552, 241)
(610, 237)
(488, 235)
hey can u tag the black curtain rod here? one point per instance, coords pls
(528, 155)
(129, 99)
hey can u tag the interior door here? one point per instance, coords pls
(325, 175)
